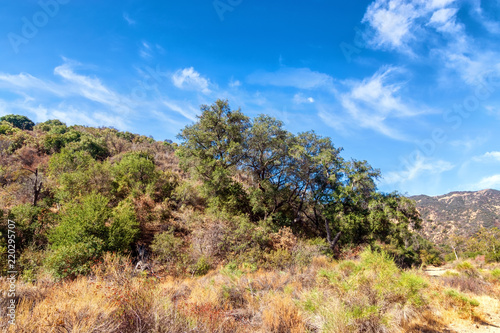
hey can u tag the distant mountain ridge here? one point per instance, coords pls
(461, 213)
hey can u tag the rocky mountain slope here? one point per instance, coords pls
(461, 213)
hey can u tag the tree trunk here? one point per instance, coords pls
(329, 236)
(37, 188)
(455, 251)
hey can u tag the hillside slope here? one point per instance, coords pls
(461, 213)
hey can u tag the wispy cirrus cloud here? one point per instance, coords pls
(467, 144)
(488, 182)
(127, 19)
(373, 103)
(24, 82)
(90, 88)
(412, 26)
(145, 50)
(423, 165)
(82, 99)
(300, 78)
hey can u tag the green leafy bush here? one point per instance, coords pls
(28, 224)
(7, 128)
(53, 126)
(71, 260)
(88, 223)
(124, 227)
(21, 122)
(134, 173)
(81, 220)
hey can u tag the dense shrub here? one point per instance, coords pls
(7, 128)
(71, 260)
(21, 122)
(88, 223)
(124, 227)
(134, 173)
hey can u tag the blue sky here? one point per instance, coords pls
(413, 87)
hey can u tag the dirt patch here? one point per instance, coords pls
(437, 271)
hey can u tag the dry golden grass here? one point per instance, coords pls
(324, 297)
(281, 315)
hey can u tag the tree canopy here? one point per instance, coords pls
(297, 180)
(21, 122)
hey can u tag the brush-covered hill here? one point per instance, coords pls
(241, 227)
(458, 213)
(234, 189)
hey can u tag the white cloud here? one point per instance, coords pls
(396, 23)
(299, 98)
(187, 111)
(422, 166)
(90, 88)
(493, 154)
(373, 102)
(489, 156)
(301, 78)
(407, 25)
(145, 50)
(26, 82)
(81, 99)
(444, 21)
(190, 79)
(488, 183)
(127, 18)
(467, 144)
(234, 83)
(490, 24)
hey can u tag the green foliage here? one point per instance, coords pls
(88, 223)
(30, 223)
(294, 178)
(467, 268)
(464, 303)
(53, 126)
(134, 173)
(82, 220)
(370, 292)
(212, 149)
(79, 174)
(21, 122)
(58, 138)
(71, 260)
(244, 178)
(201, 267)
(17, 140)
(124, 227)
(96, 147)
(167, 247)
(495, 274)
(68, 161)
(486, 241)
(30, 262)
(7, 128)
